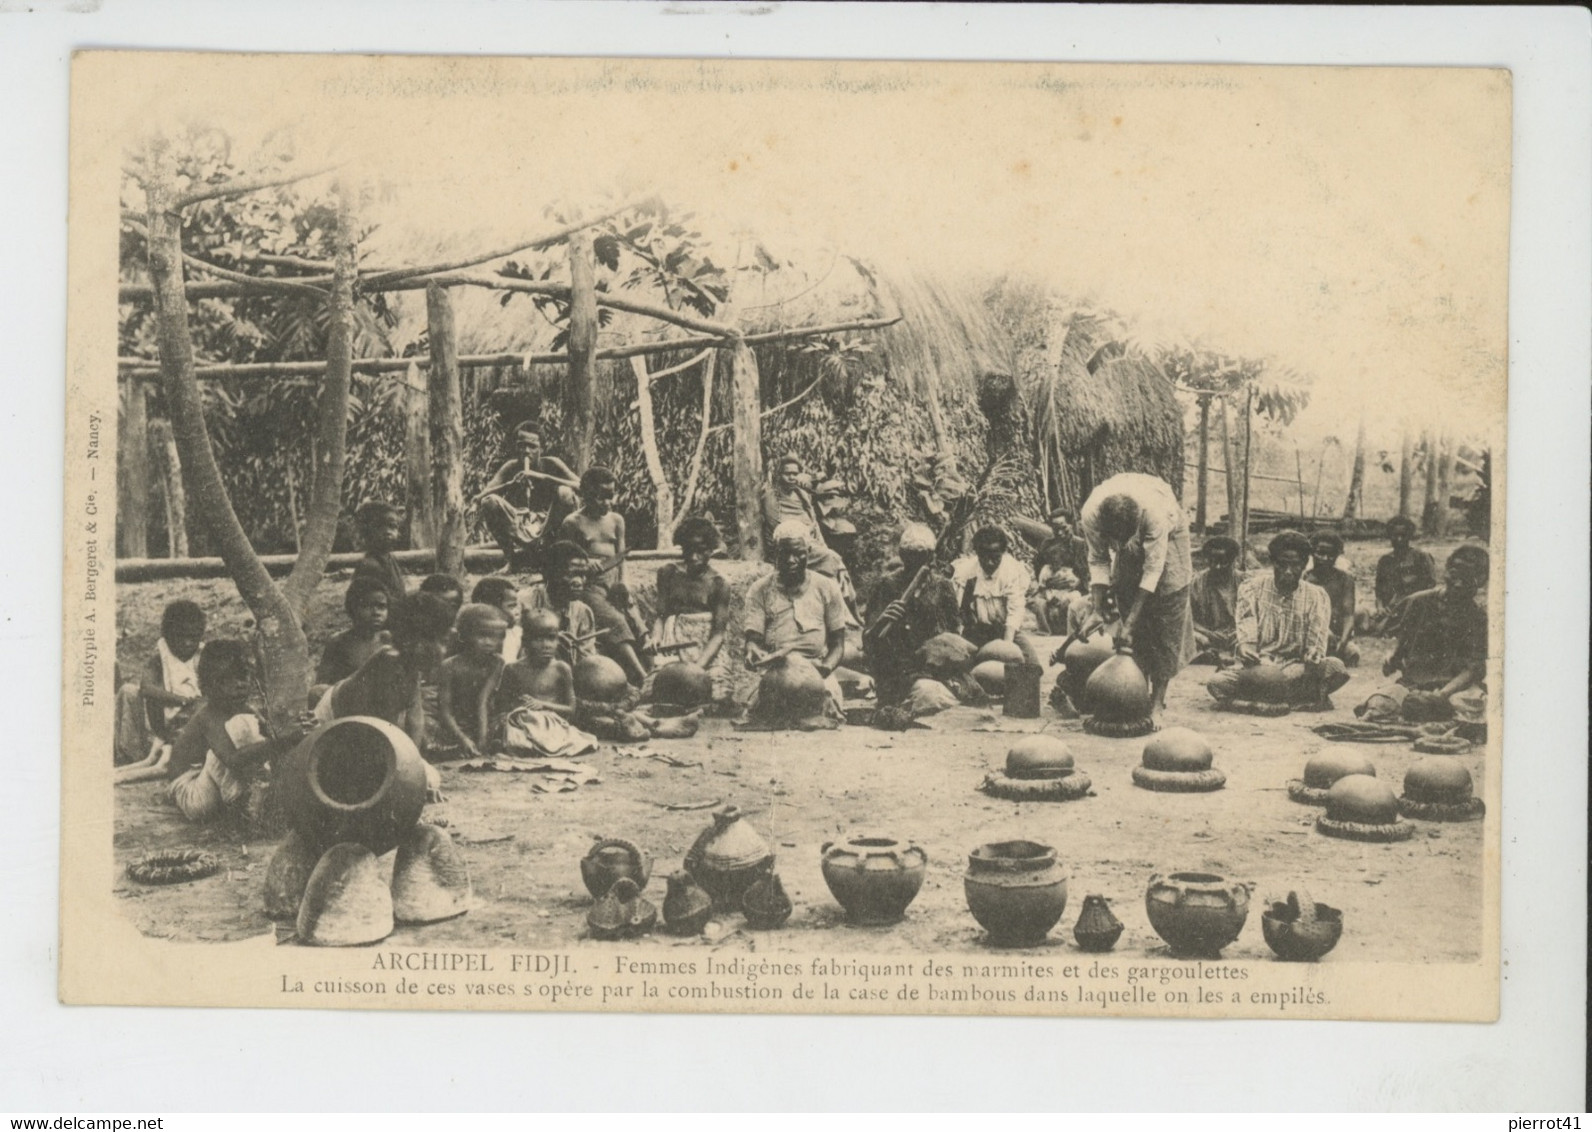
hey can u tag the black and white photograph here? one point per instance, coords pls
(791, 537)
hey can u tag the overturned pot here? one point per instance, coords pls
(357, 779)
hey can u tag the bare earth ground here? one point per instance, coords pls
(1418, 901)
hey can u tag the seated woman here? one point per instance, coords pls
(1442, 640)
(794, 610)
(694, 605)
(1325, 550)
(562, 592)
(1213, 601)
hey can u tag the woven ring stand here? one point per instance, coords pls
(1068, 788)
(173, 867)
(1471, 809)
(1358, 831)
(1179, 781)
(1118, 729)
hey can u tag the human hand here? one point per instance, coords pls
(1248, 655)
(307, 720)
(895, 610)
(1389, 667)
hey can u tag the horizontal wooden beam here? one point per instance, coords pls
(477, 559)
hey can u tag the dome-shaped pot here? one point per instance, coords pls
(999, 649)
(1196, 913)
(1177, 749)
(1015, 890)
(1361, 799)
(430, 879)
(600, 680)
(947, 656)
(873, 878)
(791, 688)
(682, 683)
(1322, 770)
(686, 908)
(355, 779)
(1039, 756)
(1264, 683)
(1118, 691)
(1080, 659)
(346, 902)
(610, 858)
(1097, 928)
(991, 676)
(1438, 779)
(726, 858)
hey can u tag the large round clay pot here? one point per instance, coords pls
(610, 858)
(355, 779)
(790, 689)
(991, 677)
(1015, 890)
(682, 683)
(999, 649)
(1322, 770)
(599, 680)
(946, 656)
(726, 858)
(1196, 913)
(1438, 779)
(1081, 658)
(1177, 749)
(1264, 683)
(1361, 799)
(873, 878)
(1118, 690)
(1039, 756)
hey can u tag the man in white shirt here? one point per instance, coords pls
(1139, 548)
(992, 591)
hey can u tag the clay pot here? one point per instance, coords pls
(686, 908)
(726, 858)
(1015, 890)
(991, 676)
(1438, 779)
(999, 649)
(1118, 690)
(430, 879)
(1097, 929)
(1177, 749)
(609, 859)
(346, 902)
(600, 680)
(1300, 930)
(1322, 770)
(1264, 683)
(766, 904)
(622, 913)
(1196, 913)
(946, 656)
(682, 683)
(873, 878)
(355, 779)
(1039, 756)
(1081, 658)
(791, 688)
(1362, 799)
(287, 875)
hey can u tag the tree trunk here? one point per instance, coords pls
(1407, 474)
(1445, 485)
(580, 418)
(1429, 499)
(649, 450)
(1230, 470)
(331, 417)
(1249, 445)
(171, 488)
(709, 364)
(283, 650)
(746, 449)
(447, 433)
(1351, 506)
(417, 461)
(1205, 463)
(132, 477)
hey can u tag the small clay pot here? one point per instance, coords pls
(609, 859)
(1015, 890)
(1300, 930)
(686, 908)
(873, 878)
(1039, 756)
(1097, 929)
(726, 858)
(1197, 914)
(766, 904)
(622, 913)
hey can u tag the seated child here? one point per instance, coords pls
(152, 710)
(367, 604)
(600, 530)
(469, 682)
(502, 593)
(378, 527)
(538, 680)
(445, 586)
(562, 592)
(218, 755)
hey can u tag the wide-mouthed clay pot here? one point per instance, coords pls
(1016, 891)
(356, 779)
(610, 858)
(1300, 930)
(1039, 756)
(874, 878)
(1118, 691)
(1196, 913)
(726, 858)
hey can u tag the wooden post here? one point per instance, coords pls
(746, 449)
(417, 461)
(132, 473)
(649, 450)
(171, 487)
(1205, 462)
(1299, 473)
(1406, 474)
(1249, 439)
(447, 433)
(580, 423)
(1351, 506)
(1230, 469)
(1429, 501)
(1445, 482)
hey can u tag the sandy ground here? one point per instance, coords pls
(1419, 900)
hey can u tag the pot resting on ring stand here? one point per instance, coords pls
(1118, 694)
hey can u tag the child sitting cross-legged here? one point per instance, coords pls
(152, 710)
(536, 697)
(469, 681)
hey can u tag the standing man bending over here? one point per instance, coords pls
(1139, 548)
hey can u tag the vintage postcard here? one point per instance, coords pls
(800, 537)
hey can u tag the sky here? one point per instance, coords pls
(1349, 223)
